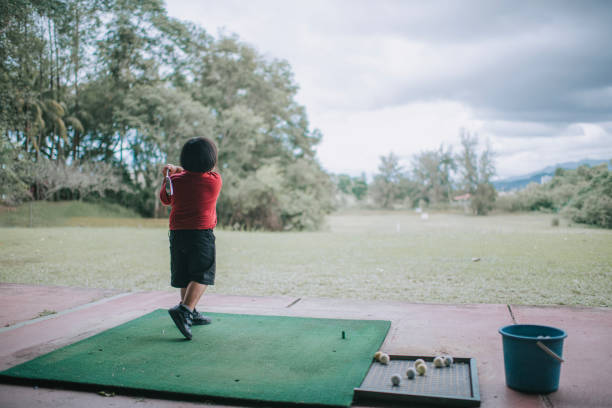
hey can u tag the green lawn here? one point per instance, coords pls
(523, 259)
(66, 213)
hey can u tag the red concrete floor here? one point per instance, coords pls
(428, 329)
(41, 300)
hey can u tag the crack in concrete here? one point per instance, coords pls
(293, 303)
(546, 401)
(511, 314)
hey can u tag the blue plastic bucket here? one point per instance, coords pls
(528, 367)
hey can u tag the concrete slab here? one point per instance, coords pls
(427, 329)
(16, 396)
(25, 302)
(23, 343)
(245, 304)
(585, 376)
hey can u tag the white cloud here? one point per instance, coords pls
(355, 141)
(522, 155)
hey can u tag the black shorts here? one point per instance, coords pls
(192, 257)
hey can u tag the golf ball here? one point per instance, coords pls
(419, 362)
(448, 361)
(395, 379)
(384, 358)
(439, 362)
(377, 355)
(411, 373)
(421, 369)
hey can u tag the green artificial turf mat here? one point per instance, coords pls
(265, 358)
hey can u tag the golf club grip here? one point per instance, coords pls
(169, 182)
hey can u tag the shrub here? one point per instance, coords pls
(483, 200)
(583, 195)
(296, 197)
(594, 210)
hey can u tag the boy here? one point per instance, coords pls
(195, 188)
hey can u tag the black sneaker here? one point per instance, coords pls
(199, 319)
(182, 318)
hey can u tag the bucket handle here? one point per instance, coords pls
(550, 352)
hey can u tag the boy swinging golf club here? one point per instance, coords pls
(192, 190)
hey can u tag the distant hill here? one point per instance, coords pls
(520, 182)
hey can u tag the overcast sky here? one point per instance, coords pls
(533, 78)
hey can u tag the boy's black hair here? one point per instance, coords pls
(199, 154)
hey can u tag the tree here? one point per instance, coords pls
(432, 174)
(160, 120)
(467, 162)
(355, 186)
(385, 187)
(484, 199)
(344, 183)
(486, 165)
(75, 181)
(359, 187)
(13, 169)
(263, 135)
(476, 173)
(239, 137)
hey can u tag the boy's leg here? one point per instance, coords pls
(197, 317)
(193, 293)
(182, 316)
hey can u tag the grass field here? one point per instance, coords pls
(68, 213)
(368, 255)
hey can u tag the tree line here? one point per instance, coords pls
(97, 94)
(440, 179)
(434, 179)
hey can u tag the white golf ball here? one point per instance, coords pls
(448, 361)
(395, 379)
(411, 373)
(419, 362)
(421, 369)
(384, 358)
(377, 355)
(439, 362)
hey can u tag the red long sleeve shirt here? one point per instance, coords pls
(194, 200)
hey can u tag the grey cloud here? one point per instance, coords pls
(538, 61)
(511, 129)
(547, 62)
(451, 21)
(551, 61)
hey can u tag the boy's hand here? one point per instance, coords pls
(171, 169)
